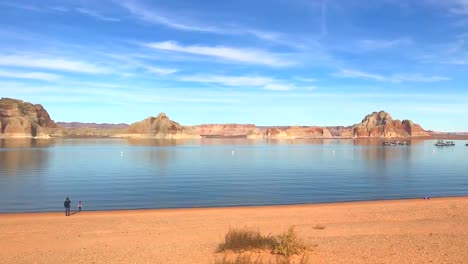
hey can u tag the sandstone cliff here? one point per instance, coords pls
(381, 125)
(23, 119)
(227, 130)
(298, 132)
(159, 127)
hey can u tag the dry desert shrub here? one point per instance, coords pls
(286, 244)
(246, 239)
(248, 259)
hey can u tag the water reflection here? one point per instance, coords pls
(26, 143)
(17, 161)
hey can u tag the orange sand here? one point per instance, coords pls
(405, 231)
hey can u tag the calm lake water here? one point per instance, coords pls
(36, 175)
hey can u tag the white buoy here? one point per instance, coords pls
(233, 152)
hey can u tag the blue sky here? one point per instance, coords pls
(276, 62)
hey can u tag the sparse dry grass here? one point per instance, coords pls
(245, 239)
(248, 259)
(286, 244)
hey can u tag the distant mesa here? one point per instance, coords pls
(23, 119)
(159, 127)
(381, 125)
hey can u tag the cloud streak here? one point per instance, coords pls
(152, 16)
(397, 78)
(241, 55)
(161, 71)
(96, 15)
(29, 75)
(60, 64)
(266, 83)
(377, 44)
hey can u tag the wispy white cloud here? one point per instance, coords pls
(358, 74)
(60, 64)
(279, 87)
(96, 15)
(345, 73)
(29, 75)
(417, 78)
(243, 55)
(150, 15)
(459, 6)
(161, 71)
(266, 83)
(376, 44)
(60, 9)
(28, 7)
(229, 80)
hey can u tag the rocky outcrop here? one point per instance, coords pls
(92, 125)
(381, 125)
(227, 130)
(158, 127)
(23, 119)
(298, 132)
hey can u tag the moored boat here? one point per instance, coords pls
(389, 143)
(450, 143)
(441, 143)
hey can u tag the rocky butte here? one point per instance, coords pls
(381, 125)
(23, 119)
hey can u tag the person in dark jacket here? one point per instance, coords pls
(67, 204)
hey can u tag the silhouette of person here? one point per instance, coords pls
(80, 204)
(67, 204)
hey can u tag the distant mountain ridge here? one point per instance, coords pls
(23, 119)
(92, 125)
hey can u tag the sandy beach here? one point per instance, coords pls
(402, 231)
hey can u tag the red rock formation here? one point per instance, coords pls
(23, 119)
(157, 126)
(226, 130)
(92, 125)
(381, 124)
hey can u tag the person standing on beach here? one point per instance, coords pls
(67, 204)
(79, 206)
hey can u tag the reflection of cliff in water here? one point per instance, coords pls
(17, 156)
(157, 142)
(26, 143)
(385, 161)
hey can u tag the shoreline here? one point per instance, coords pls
(214, 207)
(388, 231)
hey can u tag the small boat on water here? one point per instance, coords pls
(394, 143)
(450, 143)
(441, 143)
(389, 143)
